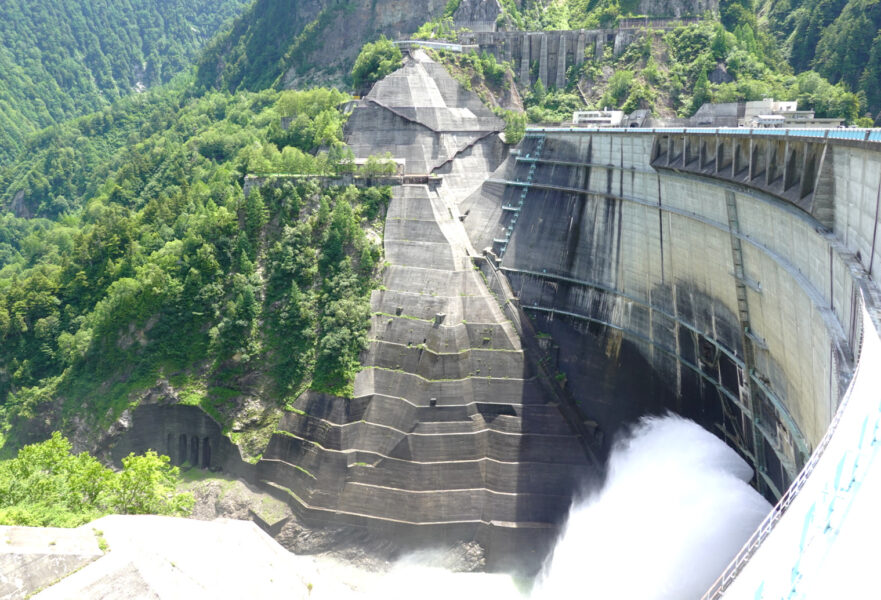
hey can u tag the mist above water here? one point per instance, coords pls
(675, 509)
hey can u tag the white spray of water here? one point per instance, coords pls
(413, 576)
(675, 509)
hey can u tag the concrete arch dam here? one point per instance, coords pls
(535, 300)
(729, 276)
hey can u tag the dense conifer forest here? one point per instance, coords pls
(64, 59)
(164, 269)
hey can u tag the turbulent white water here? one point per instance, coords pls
(674, 510)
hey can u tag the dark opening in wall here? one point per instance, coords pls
(185, 433)
(194, 451)
(206, 453)
(491, 411)
(709, 353)
(728, 373)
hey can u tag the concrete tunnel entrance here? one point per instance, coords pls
(185, 434)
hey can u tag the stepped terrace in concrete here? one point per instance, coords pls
(450, 434)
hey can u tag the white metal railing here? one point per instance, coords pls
(767, 525)
(854, 134)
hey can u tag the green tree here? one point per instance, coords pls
(719, 45)
(515, 126)
(870, 80)
(376, 60)
(618, 89)
(378, 166)
(146, 485)
(701, 92)
(47, 485)
(539, 92)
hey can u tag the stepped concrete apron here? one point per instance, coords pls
(449, 435)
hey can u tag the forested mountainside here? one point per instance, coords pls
(130, 258)
(64, 59)
(164, 271)
(742, 50)
(840, 39)
(301, 42)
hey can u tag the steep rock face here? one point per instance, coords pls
(350, 28)
(677, 8)
(303, 42)
(477, 15)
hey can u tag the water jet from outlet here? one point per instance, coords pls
(674, 510)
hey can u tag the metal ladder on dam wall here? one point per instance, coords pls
(536, 153)
(741, 282)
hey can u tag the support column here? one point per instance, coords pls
(561, 63)
(752, 160)
(579, 50)
(543, 60)
(524, 61)
(786, 168)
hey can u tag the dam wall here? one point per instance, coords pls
(733, 294)
(536, 301)
(544, 55)
(548, 55)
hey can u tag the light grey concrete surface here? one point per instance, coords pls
(448, 429)
(34, 558)
(422, 114)
(165, 557)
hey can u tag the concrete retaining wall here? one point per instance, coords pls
(548, 55)
(184, 433)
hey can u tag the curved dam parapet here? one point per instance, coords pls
(731, 271)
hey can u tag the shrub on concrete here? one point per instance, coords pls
(377, 59)
(515, 126)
